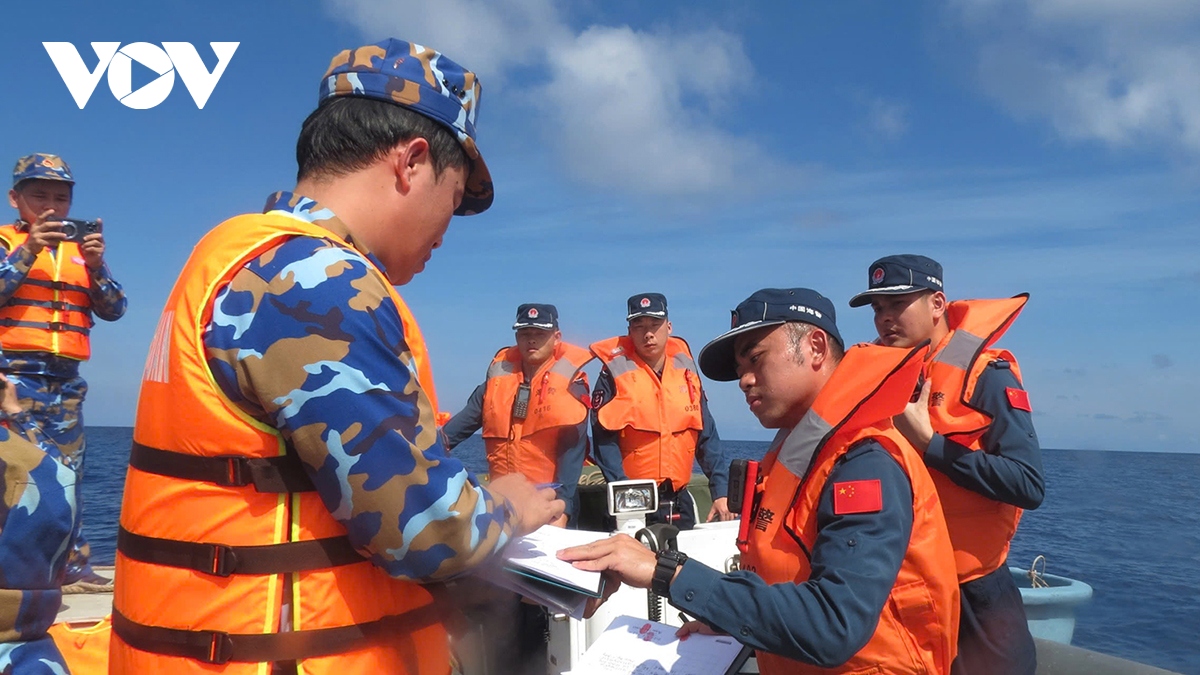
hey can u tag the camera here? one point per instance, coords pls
(77, 229)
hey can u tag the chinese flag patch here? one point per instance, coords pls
(857, 496)
(1018, 398)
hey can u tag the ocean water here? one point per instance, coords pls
(1126, 523)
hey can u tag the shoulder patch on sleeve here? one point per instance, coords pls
(1018, 398)
(857, 496)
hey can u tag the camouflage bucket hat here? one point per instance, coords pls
(423, 80)
(44, 166)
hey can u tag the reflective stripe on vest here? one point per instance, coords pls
(558, 402)
(918, 628)
(50, 311)
(658, 418)
(168, 609)
(981, 528)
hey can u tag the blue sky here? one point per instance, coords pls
(702, 150)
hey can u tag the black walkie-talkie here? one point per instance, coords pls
(521, 403)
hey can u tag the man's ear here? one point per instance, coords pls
(12, 198)
(937, 305)
(407, 158)
(668, 328)
(818, 340)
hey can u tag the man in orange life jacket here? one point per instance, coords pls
(973, 423)
(533, 407)
(847, 566)
(650, 415)
(50, 288)
(289, 498)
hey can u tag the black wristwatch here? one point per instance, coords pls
(664, 571)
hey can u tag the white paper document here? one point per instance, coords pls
(631, 646)
(537, 553)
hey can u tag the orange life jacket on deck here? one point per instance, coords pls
(51, 310)
(981, 528)
(84, 646)
(658, 419)
(344, 614)
(558, 400)
(918, 629)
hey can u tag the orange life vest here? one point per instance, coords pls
(918, 628)
(980, 528)
(84, 646)
(558, 400)
(658, 419)
(183, 413)
(51, 310)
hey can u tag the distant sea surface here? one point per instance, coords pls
(1127, 523)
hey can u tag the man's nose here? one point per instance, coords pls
(745, 381)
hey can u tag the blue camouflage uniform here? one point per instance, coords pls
(305, 338)
(48, 385)
(37, 524)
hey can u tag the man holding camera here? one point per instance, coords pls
(52, 280)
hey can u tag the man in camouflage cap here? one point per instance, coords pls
(51, 286)
(287, 419)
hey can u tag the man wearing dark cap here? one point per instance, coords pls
(650, 415)
(532, 407)
(288, 492)
(51, 287)
(846, 564)
(974, 424)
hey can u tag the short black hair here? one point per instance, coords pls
(348, 133)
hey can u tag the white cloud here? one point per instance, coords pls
(1122, 72)
(487, 37)
(886, 118)
(631, 110)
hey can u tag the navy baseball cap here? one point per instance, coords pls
(900, 274)
(647, 304)
(537, 315)
(767, 307)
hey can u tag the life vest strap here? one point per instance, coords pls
(217, 647)
(266, 474)
(221, 560)
(57, 326)
(60, 305)
(56, 285)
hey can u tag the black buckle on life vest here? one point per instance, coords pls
(220, 649)
(60, 305)
(237, 474)
(59, 325)
(224, 560)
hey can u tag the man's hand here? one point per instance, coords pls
(532, 507)
(560, 521)
(695, 627)
(43, 232)
(720, 510)
(914, 421)
(9, 403)
(93, 249)
(621, 557)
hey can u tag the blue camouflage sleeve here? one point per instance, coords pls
(14, 268)
(108, 298)
(307, 339)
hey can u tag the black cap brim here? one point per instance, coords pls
(717, 360)
(864, 298)
(655, 315)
